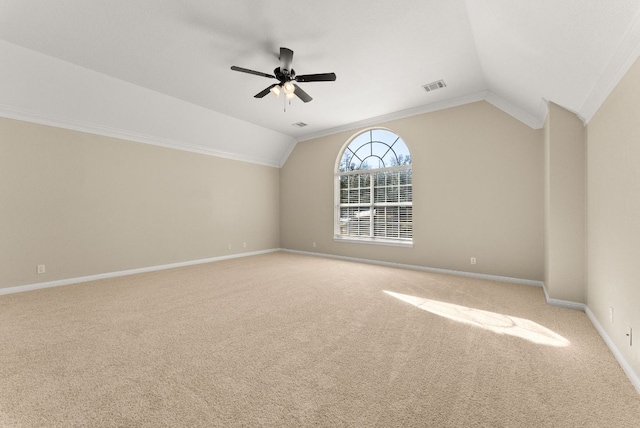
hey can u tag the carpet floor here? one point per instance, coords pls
(285, 339)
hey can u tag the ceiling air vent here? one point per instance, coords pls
(438, 84)
(300, 124)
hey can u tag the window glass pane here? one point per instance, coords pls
(383, 135)
(365, 195)
(379, 195)
(405, 222)
(353, 196)
(345, 163)
(344, 196)
(386, 223)
(376, 204)
(355, 221)
(405, 177)
(405, 194)
(372, 162)
(377, 148)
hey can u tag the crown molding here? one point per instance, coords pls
(454, 102)
(287, 152)
(92, 128)
(535, 122)
(624, 57)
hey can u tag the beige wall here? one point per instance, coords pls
(565, 192)
(478, 192)
(613, 214)
(83, 204)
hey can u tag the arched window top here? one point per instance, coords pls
(374, 149)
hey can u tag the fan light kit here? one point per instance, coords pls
(286, 77)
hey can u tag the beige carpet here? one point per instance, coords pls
(289, 340)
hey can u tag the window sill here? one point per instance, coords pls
(387, 242)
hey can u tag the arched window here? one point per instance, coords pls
(374, 195)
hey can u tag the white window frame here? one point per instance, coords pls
(371, 205)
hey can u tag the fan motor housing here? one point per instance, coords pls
(284, 75)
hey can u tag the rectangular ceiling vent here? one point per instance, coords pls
(300, 124)
(434, 85)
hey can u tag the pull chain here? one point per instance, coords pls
(285, 103)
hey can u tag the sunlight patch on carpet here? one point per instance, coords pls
(497, 323)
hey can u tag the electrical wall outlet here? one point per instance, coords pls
(41, 269)
(244, 245)
(314, 245)
(473, 260)
(228, 246)
(611, 314)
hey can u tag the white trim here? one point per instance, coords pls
(516, 112)
(562, 303)
(69, 281)
(626, 367)
(422, 268)
(378, 120)
(92, 128)
(633, 377)
(488, 96)
(543, 111)
(287, 153)
(373, 170)
(623, 58)
(375, 241)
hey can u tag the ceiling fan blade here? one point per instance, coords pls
(302, 94)
(257, 73)
(265, 91)
(286, 58)
(321, 77)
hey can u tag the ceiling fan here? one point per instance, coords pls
(287, 78)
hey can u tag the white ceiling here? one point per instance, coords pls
(512, 53)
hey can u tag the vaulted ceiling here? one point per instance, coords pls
(159, 70)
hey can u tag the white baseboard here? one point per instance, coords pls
(631, 374)
(424, 268)
(69, 281)
(562, 303)
(626, 367)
